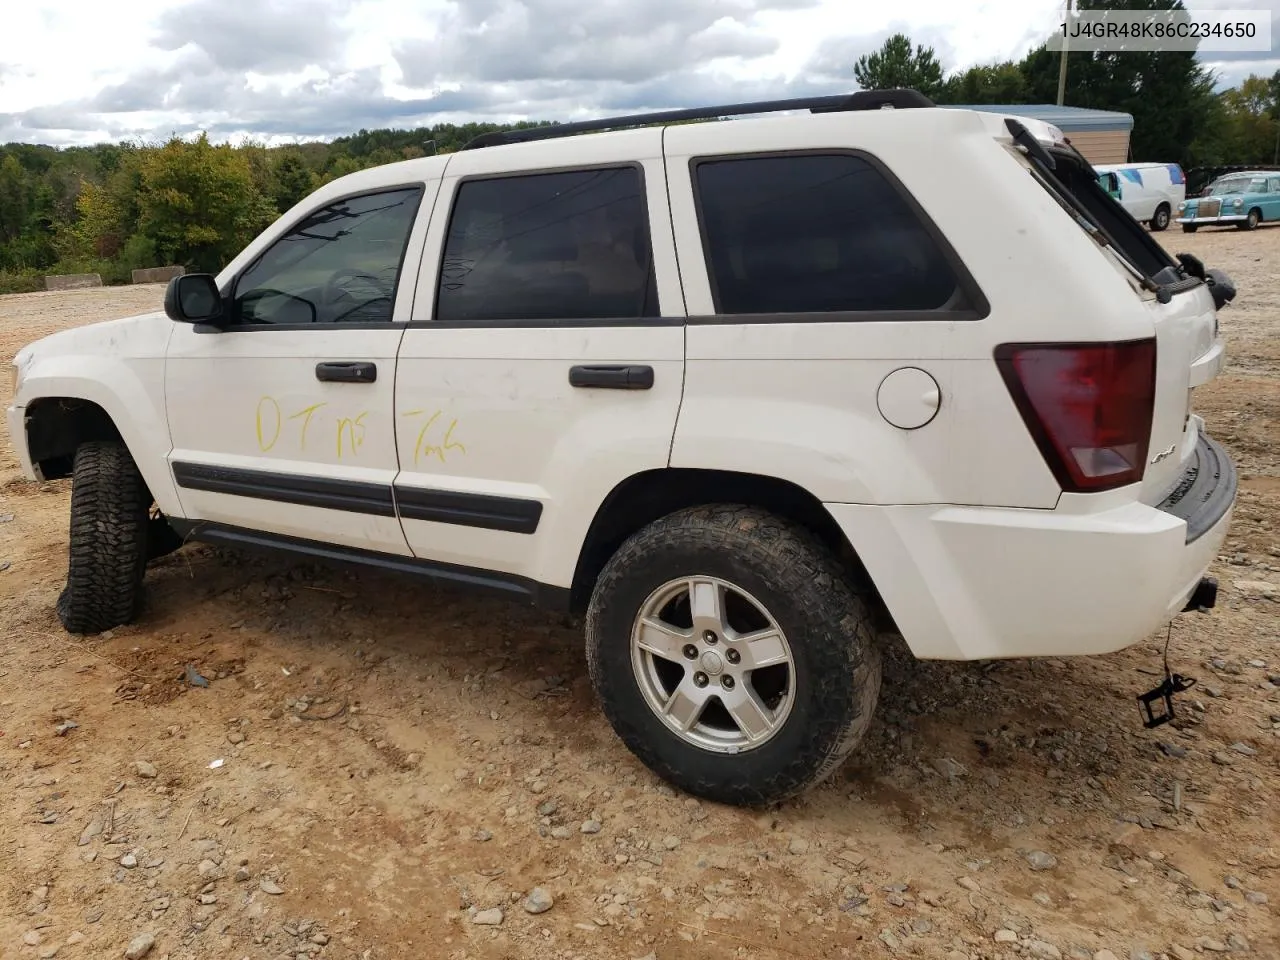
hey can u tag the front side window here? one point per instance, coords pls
(548, 246)
(816, 234)
(340, 264)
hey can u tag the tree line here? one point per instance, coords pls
(112, 208)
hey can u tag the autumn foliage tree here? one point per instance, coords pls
(199, 204)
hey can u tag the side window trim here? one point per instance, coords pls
(232, 285)
(443, 246)
(978, 307)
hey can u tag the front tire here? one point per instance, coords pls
(108, 540)
(732, 655)
(1160, 220)
(1252, 220)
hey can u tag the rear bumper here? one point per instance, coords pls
(975, 583)
(17, 420)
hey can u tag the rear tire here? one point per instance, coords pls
(1160, 220)
(818, 640)
(108, 540)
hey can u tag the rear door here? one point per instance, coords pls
(544, 362)
(1271, 211)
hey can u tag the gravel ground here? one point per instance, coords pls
(379, 769)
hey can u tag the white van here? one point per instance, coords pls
(1149, 191)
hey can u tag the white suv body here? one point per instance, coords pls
(979, 411)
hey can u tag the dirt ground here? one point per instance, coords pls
(375, 764)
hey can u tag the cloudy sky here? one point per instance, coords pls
(80, 71)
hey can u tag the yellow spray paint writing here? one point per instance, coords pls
(308, 412)
(423, 449)
(350, 425)
(273, 409)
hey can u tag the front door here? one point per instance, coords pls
(545, 358)
(281, 421)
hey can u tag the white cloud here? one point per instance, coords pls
(74, 71)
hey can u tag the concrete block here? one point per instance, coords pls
(157, 274)
(72, 281)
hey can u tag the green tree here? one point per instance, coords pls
(1252, 121)
(14, 201)
(291, 180)
(895, 64)
(199, 203)
(997, 83)
(1169, 94)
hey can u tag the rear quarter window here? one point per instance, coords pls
(821, 234)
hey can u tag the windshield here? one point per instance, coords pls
(1222, 188)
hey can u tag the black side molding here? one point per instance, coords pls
(352, 496)
(509, 514)
(542, 595)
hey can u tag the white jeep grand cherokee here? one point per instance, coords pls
(750, 394)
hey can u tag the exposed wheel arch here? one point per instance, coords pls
(57, 426)
(644, 497)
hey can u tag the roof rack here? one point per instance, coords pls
(862, 100)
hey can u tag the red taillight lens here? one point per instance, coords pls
(1088, 406)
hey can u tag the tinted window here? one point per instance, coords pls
(815, 234)
(548, 246)
(340, 263)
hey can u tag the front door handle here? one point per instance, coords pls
(347, 371)
(620, 377)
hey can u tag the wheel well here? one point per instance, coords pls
(645, 497)
(1258, 211)
(56, 426)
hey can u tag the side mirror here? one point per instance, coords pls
(193, 298)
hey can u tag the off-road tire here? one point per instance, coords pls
(809, 593)
(108, 540)
(1160, 220)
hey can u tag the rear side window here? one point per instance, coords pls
(817, 233)
(550, 246)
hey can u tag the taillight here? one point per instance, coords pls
(1088, 406)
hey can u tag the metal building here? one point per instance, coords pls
(1101, 135)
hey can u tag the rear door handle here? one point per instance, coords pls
(620, 377)
(347, 371)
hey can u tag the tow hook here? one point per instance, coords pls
(1204, 596)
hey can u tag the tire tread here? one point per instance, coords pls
(108, 540)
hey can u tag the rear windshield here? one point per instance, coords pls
(1074, 183)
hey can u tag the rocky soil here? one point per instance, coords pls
(289, 761)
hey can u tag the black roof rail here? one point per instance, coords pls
(862, 100)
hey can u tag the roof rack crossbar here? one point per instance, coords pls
(862, 100)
